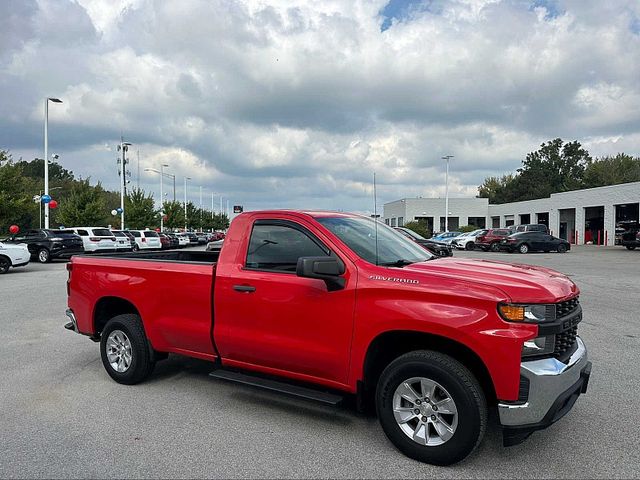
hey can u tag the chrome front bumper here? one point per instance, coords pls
(554, 387)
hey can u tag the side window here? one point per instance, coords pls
(278, 247)
(136, 234)
(83, 233)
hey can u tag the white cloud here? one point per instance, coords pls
(296, 104)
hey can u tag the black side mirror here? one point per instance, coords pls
(328, 269)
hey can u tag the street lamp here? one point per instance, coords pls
(446, 194)
(123, 147)
(162, 174)
(46, 154)
(185, 202)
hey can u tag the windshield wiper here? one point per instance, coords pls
(398, 263)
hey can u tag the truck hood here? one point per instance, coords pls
(521, 283)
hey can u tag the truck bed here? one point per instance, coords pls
(170, 256)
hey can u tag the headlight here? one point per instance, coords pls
(535, 313)
(56, 239)
(539, 346)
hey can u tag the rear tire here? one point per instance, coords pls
(5, 264)
(524, 248)
(445, 438)
(135, 248)
(562, 248)
(495, 247)
(631, 247)
(44, 256)
(125, 350)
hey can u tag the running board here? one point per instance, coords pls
(276, 386)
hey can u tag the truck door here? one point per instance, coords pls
(267, 316)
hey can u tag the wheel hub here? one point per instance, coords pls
(118, 349)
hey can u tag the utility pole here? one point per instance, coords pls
(123, 147)
(46, 155)
(446, 194)
(185, 202)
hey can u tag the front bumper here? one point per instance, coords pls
(554, 387)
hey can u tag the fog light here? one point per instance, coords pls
(539, 346)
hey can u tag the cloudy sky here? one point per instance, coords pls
(295, 104)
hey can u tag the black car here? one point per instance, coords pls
(45, 244)
(173, 239)
(525, 242)
(193, 238)
(631, 239)
(440, 249)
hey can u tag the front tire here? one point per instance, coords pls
(431, 407)
(562, 248)
(524, 248)
(125, 350)
(44, 256)
(495, 247)
(470, 246)
(631, 247)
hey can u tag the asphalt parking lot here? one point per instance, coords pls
(62, 416)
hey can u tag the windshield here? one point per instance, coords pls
(359, 234)
(410, 233)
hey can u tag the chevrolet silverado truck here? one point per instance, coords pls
(327, 305)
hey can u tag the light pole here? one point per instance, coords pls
(446, 194)
(200, 207)
(46, 154)
(40, 203)
(162, 175)
(123, 147)
(185, 202)
(212, 207)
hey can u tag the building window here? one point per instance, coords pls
(478, 222)
(401, 221)
(393, 222)
(454, 224)
(495, 222)
(386, 221)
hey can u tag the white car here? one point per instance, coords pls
(96, 239)
(146, 240)
(183, 239)
(467, 241)
(13, 256)
(123, 243)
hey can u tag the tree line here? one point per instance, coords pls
(559, 167)
(82, 204)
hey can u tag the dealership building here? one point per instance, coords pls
(579, 216)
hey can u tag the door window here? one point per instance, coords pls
(278, 247)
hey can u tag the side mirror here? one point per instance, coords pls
(328, 269)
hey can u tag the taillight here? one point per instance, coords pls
(94, 239)
(144, 239)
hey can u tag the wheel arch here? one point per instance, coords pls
(389, 345)
(108, 307)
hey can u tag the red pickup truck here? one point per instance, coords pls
(325, 305)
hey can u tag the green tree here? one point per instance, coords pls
(496, 189)
(174, 212)
(419, 227)
(139, 210)
(612, 171)
(84, 206)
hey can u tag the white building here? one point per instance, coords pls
(579, 216)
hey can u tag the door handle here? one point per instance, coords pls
(244, 288)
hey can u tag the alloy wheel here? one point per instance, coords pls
(119, 351)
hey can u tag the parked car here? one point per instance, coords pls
(446, 237)
(123, 242)
(440, 249)
(146, 240)
(467, 241)
(183, 240)
(531, 227)
(193, 238)
(341, 302)
(214, 246)
(216, 236)
(165, 242)
(631, 239)
(202, 238)
(96, 239)
(47, 244)
(525, 242)
(13, 255)
(173, 240)
(491, 238)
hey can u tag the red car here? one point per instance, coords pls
(165, 241)
(337, 304)
(491, 239)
